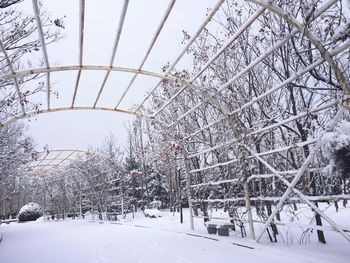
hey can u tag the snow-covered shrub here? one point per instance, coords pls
(29, 212)
(153, 213)
(336, 149)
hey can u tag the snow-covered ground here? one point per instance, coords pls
(144, 240)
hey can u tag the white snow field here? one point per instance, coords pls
(150, 240)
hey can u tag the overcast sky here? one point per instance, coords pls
(79, 129)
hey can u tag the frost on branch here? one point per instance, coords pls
(336, 150)
(29, 212)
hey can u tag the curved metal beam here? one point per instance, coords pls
(91, 68)
(37, 112)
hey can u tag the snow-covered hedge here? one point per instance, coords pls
(336, 149)
(30, 212)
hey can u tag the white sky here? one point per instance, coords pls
(80, 129)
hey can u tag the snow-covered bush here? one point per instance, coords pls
(336, 149)
(153, 213)
(29, 212)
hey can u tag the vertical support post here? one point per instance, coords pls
(144, 179)
(243, 166)
(44, 208)
(122, 205)
(80, 208)
(249, 209)
(4, 202)
(92, 209)
(188, 187)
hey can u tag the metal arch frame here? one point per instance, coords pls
(61, 109)
(46, 161)
(263, 6)
(228, 43)
(188, 45)
(327, 56)
(343, 81)
(21, 73)
(81, 67)
(89, 68)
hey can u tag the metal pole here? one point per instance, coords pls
(249, 209)
(4, 202)
(188, 188)
(80, 208)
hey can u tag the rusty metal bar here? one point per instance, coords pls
(81, 47)
(188, 45)
(155, 37)
(43, 47)
(116, 43)
(15, 81)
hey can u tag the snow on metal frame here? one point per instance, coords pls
(277, 45)
(43, 47)
(269, 92)
(155, 37)
(119, 32)
(47, 70)
(188, 45)
(81, 47)
(327, 56)
(3, 50)
(250, 21)
(55, 158)
(81, 67)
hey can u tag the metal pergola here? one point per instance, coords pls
(54, 159)
(260, 7)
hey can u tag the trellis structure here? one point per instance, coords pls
(54, 159)
(52, 163)
(327, 56)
